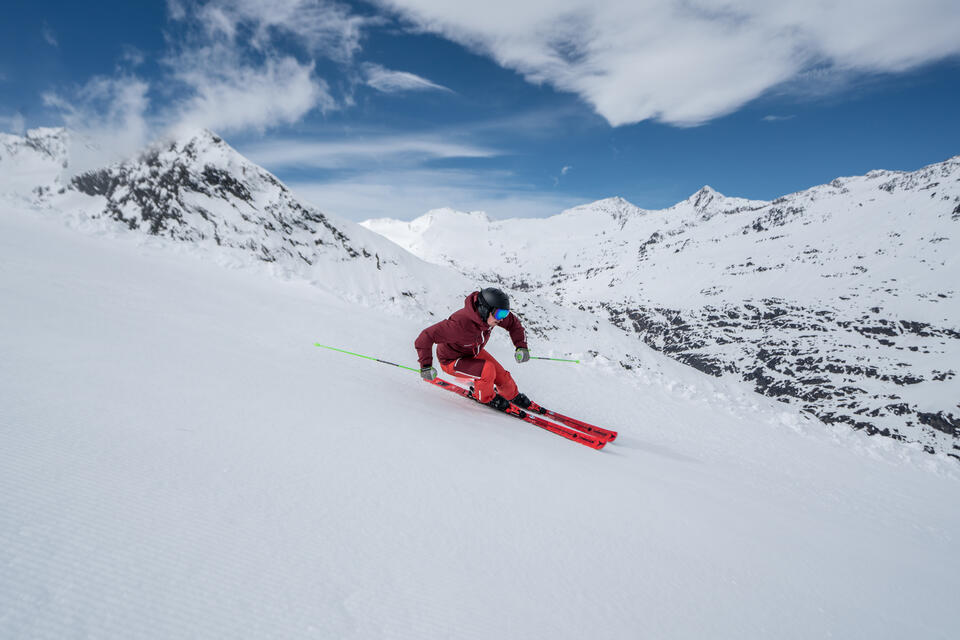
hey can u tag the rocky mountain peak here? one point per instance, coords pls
(617, 208)
(197, 188)
(708, 202)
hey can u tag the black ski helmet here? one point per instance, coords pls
(490, 299)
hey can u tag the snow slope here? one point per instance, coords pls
(178, 460)
(840, 299)
(34, 163)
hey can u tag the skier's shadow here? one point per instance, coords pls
(626, 442)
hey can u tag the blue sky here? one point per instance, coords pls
(391, 108)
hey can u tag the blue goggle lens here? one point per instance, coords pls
(500, 314)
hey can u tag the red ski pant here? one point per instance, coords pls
(488, 376)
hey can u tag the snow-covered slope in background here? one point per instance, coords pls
(33, 164)
(199, 191)
(179, 461)
(841, 299)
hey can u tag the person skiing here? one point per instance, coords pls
(460, 341)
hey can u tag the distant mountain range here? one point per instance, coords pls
(841, 299)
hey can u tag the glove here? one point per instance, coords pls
(522, 355)
(428, 373)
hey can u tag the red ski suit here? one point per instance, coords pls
(460, 340)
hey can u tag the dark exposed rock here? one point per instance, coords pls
(784, 361)
(944, 422)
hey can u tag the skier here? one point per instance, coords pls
(460, 340)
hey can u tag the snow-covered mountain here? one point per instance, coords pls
(197, 190)
(841, 298)
(33, 164)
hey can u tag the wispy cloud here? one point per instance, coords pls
(211, 75)
(111, 112)
(325, 27)
(131, 57)
(176, 10)
(49, 36)
(229, 90)
(772, 118)
(15, 124)
(360, 152)
(405, 195)
(687, 62)
(389, 81)
(227, 95)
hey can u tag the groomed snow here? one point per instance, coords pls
(179, 461)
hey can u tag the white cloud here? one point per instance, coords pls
(324, 27)
(405, 195)
(131, 56)
(389, 81)
(15, 124)
(230, 90)
(563, 171)
(49, 36)
(110, 113)
(227, 95)
(772, 118)
(686, 62)
(358, 152)
(176, 10)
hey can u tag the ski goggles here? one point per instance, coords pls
(500, 314)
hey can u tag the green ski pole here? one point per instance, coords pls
(317, 344)
(554, 359)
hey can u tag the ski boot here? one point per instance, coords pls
(499, 403)
(522, 401)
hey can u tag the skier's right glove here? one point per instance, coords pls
(428, 373)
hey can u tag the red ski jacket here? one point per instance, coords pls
(463, 334)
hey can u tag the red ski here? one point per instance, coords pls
(571, 434)
(579, 425)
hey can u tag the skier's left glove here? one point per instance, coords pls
(522, 355)
(428, 373)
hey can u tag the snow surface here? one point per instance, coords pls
(178, 460)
